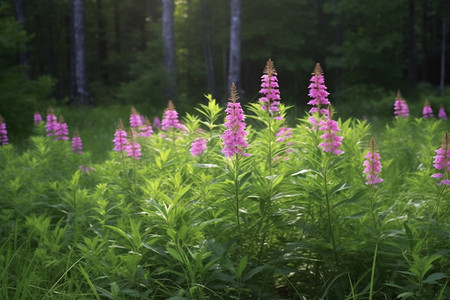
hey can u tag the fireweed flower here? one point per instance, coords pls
(427, 112)
(269, 89)
(146, 130)
(133, 148)
(372, 166)
(120, 137)
(62, 132)
(135, 118)
(442, 115)
(400, 107)
(234, 140)
(77, 145)
(170, 118)
(331, 141)
(442, 162)
(52, 124)
(3, 133)
(156, 122)
(37, 118)
(318, 93)
(198, 146)
(283, 134)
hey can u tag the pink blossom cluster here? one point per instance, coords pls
(442, 114)
(77, 145)
(170, 118)
(372, 166)
(120, 138)
(37, 118)
(133, 149)
(135, 118)
(400, 107)
(442, 162)
(156, 122)
(269, 89)
(61, 132)
(332, 141)
(3, 133)
(427, 112)
(198, 146)
(318, 92)
(234, 137)
(52, 124)
(284, 133)
(146, 130)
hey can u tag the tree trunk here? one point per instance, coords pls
(444, 37)
(234, 69)
(411, 44)
(169, 46)
(81, 95)
(207, 49)
(20, 16)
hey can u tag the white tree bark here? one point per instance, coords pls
(234, 71)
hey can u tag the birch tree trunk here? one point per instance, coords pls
(234, 69)
(81, 95)
(169, 45)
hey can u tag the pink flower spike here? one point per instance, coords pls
(372, 166)
(400, 107)
(318, 91)
(120, 137)
(133, 148)
(331, 140)
(37, 118)
(3, 133)
(62, 132)
(427, 111)
(234, 140)
(198, 146)
(77, 145)
(156, 122)
(269, 89)
(135, 118)
(170, 118)
(442, 161)
(442, 114)
(52, 124)
(146, 130)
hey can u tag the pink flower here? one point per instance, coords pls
(77, 146)
(135, 118)
(372, 166)
(198, 146)
(52, 124)
(37, 118)
(427, 111)
(120, 137)
(442, 115)
(146, 130)
(331, 141)
(283, 134)
(170, 118)
(400, 107)
(3, 133)
(62, 132)
(269, 89)
(133, 148)
(156, 122)
(442, 162)
(318, 91)
(234, 140)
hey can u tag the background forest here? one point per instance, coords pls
(368, 50)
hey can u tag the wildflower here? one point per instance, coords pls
(400, 107)
(170, 118)
(156, 122)
(331, 140)
(427, 111)
(442, 115)
(135, 118)
(372, 166)
(61, 132)
(146, 130)
(37, 118)
(133, 148)
(269, 89)
(77, 146)
(3, 133)
(318, 91)
(442, 161)
(283, 134)
(120, 137)
(234, 140)
(52, 122)
(198, 146)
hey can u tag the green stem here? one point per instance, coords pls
(372, 275)
(236, 186)
(327, 198)
(372, 211)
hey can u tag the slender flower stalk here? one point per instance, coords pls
(120, 138)
(442, 162)
(427, 112)
(135, 118)
(3, 133)
(146, 130)
(37, 118)
(372, 166)
(52, 124)
(77, 145)
(198, 146)
(269, 89)
(400, 107)
(442, 114)
(332, 141)
(62, 132)
(170, 118)
(133, 148)
(318, 93)
(234, 137)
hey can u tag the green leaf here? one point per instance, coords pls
(435, 277)
(241, 266)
